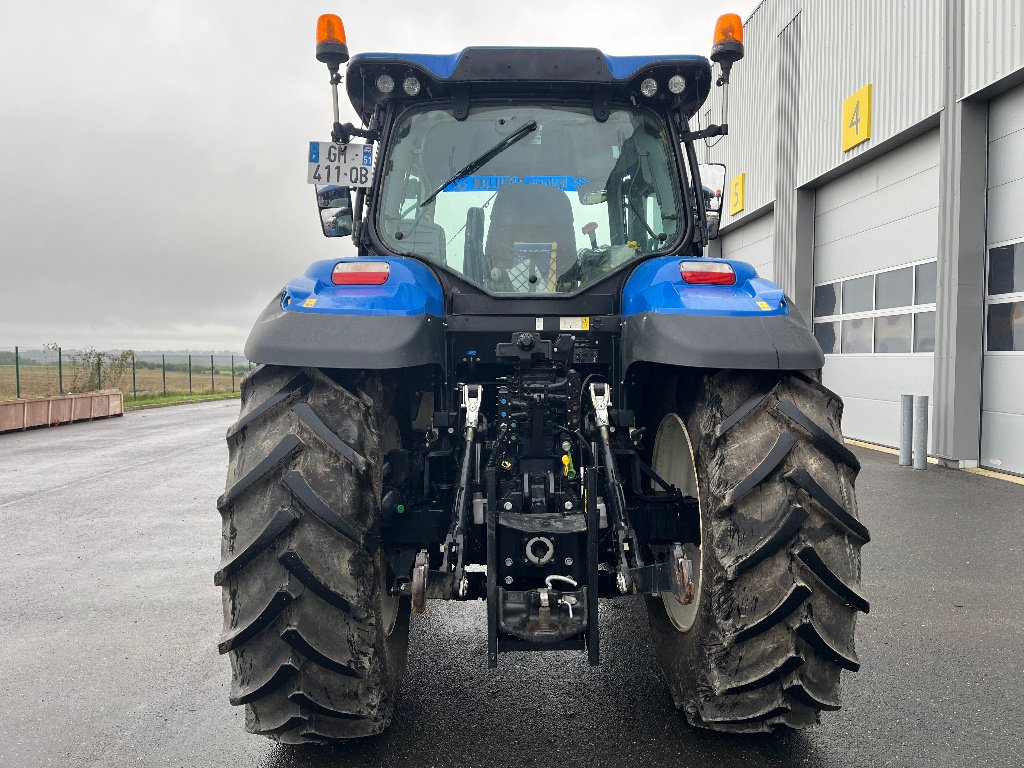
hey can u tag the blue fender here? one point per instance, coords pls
(749, 325)
(313, 322)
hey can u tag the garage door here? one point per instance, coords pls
(752, 243)
(1002, 416)
(875, 245)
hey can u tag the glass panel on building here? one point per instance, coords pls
(827, 335)
(1006, 327)
(1006, 269)
(924, 332)
(826, 300)
(894, 289)
(858, 295)
(892, 333)
(857, 335)
(927, 280)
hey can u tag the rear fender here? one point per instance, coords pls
(313, 322)
(749, 325)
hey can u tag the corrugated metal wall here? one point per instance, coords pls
(750, 146)
(994, 44)
(922, 59)
(880, 215)
(787, 152)
(1002, 418)
(896, 45)
(752, 243)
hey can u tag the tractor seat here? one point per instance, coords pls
(530, 213)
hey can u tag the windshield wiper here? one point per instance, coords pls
(486, 157)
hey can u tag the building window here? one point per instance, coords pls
(924, 332)
(1006, 327)
(827, 335)
(892, 333)
(1004, 316)
(925, 283)
(857, 294)
(826, 299)
(1006, 269)
(856, 335)
(894, 288)
(887, 312)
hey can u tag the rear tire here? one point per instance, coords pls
(317, 646)
(779, 555)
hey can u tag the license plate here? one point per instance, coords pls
(350, 165)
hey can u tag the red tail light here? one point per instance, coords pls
(361, 273)
(707, 273)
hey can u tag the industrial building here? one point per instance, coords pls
(876, 171)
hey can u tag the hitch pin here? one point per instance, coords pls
(567, 604)
(568, 601)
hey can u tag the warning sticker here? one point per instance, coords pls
(764, 305)
(309, 303)
(574, 323)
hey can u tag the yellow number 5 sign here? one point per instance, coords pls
(736, 193)
(857, 118)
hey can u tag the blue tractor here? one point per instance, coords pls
(530, 387)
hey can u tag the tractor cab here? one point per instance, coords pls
(518, 171)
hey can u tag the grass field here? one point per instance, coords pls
(160, 400)
(42, 381)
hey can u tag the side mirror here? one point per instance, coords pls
(335, 204)
(712, 181)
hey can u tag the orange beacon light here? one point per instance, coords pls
(331, 46)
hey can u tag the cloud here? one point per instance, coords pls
(153, 174)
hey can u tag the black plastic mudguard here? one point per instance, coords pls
(775, 342)
(375, 342)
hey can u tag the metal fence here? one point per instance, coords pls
(51, 370)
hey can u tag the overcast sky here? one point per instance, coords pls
(152, 154)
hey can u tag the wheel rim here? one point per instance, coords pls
(673, 461)
(389, 604)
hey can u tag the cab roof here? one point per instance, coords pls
(509, 71)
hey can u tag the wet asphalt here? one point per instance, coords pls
(108, 621)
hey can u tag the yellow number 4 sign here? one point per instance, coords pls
(736, 193)
(857, 118)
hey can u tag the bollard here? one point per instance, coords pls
(920, 431)
(906, 429)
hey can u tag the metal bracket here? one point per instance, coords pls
(472, 398)
(460, 103)
(602, 103)
(600, 395)
(674, 575)
(706, 133)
